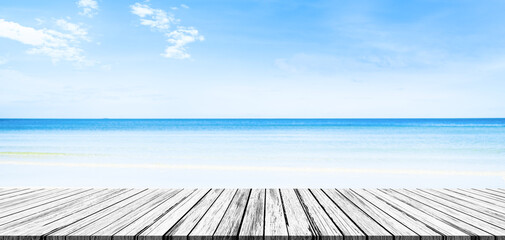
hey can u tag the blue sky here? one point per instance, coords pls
(220, 59)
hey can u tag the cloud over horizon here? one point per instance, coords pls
(160, 20)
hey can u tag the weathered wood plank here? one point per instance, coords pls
(131, 231)
(441, 227)
(369, 226)
(39, 196)
(167, 221)
(48, 211)
(208, 224)
(275, 220)
(297, 221)
(392, 225)
(21, 198)
(498, 203)
(10, 191)
(91, 224)
(16, 194)
(478, 211)
(474, 200)
(64, 216)
(229, 226)
(40, 202)
(252, 227)
(418, 226)
(322, 225)
(452, 217)
(470, 216)
(491, 192)
(135, 215)
(497, 190)
(465, 203)
(183, 227)
(484, 195)
(270, 214)
(348, 228)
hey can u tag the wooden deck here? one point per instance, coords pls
(144, 214)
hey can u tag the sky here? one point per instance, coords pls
(252, 59)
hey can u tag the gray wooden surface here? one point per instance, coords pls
(252, 214)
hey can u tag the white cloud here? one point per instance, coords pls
(160, 20)
(184, 6)
(89, 7)
(141, 10)
(3, 60)
(57, 45)
(154, 18)
(74, 29)
(179, 38)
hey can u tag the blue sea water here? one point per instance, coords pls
(252, 152)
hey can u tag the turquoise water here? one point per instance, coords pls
(253, 153)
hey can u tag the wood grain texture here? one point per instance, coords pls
(11, 191)
(29, 196)
(445, 214)
(368, 225)
(16, 194)
(478, 212)
(252, 227)
(496, 190)
(275, 220)
(464, 221)
(134, 215)
(39, 204)
(207, 226)
(251, 214)
(162, 225)
(441, 227)
(391, 224)
(64, 215)
(52, 211)
(92, 223)
(229, 226)
(322, 225)
(131, 231)
(184, 226)
(483, 195)
(475, 200)
(297, 222)
(488, 192)
(465, 203)
(348, 228)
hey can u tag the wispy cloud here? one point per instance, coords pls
(179, 38)
(154, 18)
(57, 45)
(72, 28)
(89, 7)
(184, 6)
(3, 60)
(162, 21)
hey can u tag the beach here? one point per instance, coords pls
(252, 152)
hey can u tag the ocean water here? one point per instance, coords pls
(252, 153)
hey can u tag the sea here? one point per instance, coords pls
(252, 153)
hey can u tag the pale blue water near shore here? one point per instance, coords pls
(253, 153)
